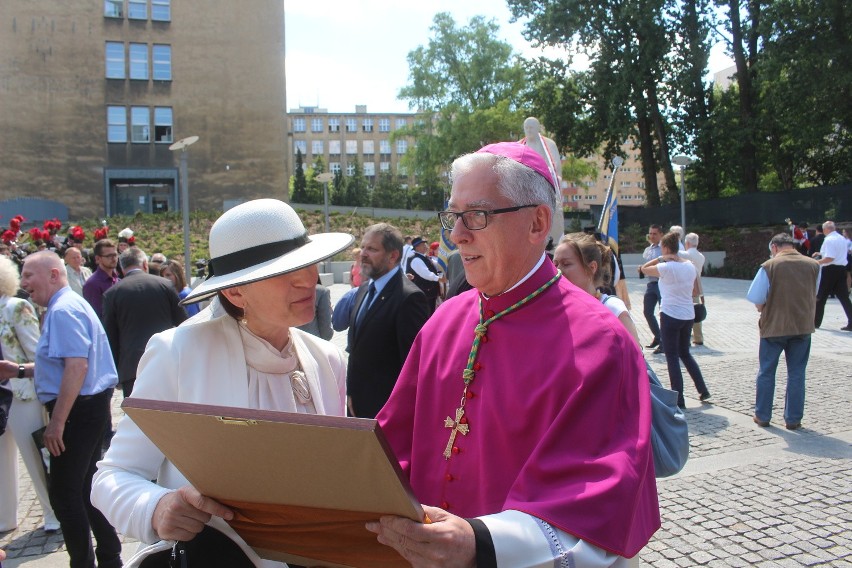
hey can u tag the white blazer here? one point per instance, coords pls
(200, 363)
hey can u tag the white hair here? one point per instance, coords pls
(677, 229)
(692, 239)
(515, 181)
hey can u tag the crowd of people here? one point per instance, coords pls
(519, 457)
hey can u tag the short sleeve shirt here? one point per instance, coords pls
(676, 281)
(72, 329)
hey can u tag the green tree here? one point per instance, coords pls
(357, 188)
(315, 188)
(621, 94)
(466, 84)
(300, 194)
(338, 189)
(388, 192)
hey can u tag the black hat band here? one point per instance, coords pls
(246, 258)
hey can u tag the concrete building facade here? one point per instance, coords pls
(629, 183)
(341, 137)
(95, 92)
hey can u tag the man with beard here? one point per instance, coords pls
(104, 278)
(387, 314)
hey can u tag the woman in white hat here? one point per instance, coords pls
(263, 269)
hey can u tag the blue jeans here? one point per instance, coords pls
(797, 349)
(674, 334)
(650, 301)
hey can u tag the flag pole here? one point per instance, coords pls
(617, 161)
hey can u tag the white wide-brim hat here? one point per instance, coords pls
(258, 240)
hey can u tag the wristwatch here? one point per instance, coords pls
(20, 371)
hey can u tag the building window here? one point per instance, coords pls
(161, 10)
(384, 125)
(334, 125)
(384, 147)
(384, 167)
(402, 170)
(351, 147)
(369, 169)
(351, 125)
(140, 125)
(350, 169)
(369, 146)
(334, 147)
(163, 125)
(137, 9)
(114, 8)
(116, 124)
(334, 167)
(316, 147)
(401, 147)
(139, 61)
(401, 123)
(626, 183)
(114, 60)
(300, 146)
(316, 125)
(299, 125)
(367, 124)
(162, 62)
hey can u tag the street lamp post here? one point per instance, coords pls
(182, 145)
(324, 178)
(682, 161)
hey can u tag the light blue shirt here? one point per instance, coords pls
(72, 329)
(382, 282)
(758, 292)
(651, 252)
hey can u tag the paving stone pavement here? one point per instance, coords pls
(748, 496)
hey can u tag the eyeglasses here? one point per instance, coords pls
(474, 219)
(113, 255)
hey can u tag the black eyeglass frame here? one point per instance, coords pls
(461, 215)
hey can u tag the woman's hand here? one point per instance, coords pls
(182, 514)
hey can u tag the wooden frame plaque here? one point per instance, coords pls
(302, 485)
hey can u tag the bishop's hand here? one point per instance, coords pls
(446, 542)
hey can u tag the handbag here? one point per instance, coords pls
(209, 548)
(669, 430)
(5, 406)
(700, 312)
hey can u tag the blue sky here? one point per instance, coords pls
(340, 53)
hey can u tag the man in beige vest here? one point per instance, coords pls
(784, 292)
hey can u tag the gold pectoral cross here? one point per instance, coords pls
(457, 428)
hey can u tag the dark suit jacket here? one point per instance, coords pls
(379, 345)
(134, 310)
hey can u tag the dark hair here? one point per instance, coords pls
(101, 245)
(230, 309)
(671, 241)
(782, 239)
(391, 237)
(590, 250)
(658, 227)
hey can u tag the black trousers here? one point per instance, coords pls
(71, 484)
(833, 281)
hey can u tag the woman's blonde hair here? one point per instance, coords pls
(590, 250)
(10, 278)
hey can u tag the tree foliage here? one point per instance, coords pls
(466, 85)
(300, 185)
